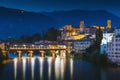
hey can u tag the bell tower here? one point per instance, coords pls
(108, 24)
(81, 26)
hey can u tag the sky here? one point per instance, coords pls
(56, 5)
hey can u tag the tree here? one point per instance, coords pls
(3, 55)
(96, 45)
(52, 34)
(99, 37)
(36, 37)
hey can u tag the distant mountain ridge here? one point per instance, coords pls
(94, 17)
(14, 23)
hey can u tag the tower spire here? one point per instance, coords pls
(108, 24)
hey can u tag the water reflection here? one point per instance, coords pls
(49, 67)
(62, 69)
(15, 68)
(39, 68)
(41, 59)
(24, 67)
(71, 68)
(32, 67)
(59, 67)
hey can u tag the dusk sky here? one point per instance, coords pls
(52, 5)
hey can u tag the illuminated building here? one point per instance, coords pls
(107, 38)
(2, 45)
(69, 32)
(76, 35)
(113, 48)
(80, 46)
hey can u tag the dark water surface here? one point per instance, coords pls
(38, 68)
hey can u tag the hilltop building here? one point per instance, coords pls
(69, 32)
(76, 36)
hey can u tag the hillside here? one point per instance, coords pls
(14, 23)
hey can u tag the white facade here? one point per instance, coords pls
(113, 48)
(81, 45)
(107, 38)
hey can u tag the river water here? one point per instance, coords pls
(48, 68)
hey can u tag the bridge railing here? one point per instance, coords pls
(37, 47)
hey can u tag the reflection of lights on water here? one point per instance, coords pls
(32, 66)
(62, 69)
(15, 68)
(24, 67)
(71, 68)
(57, 60)
(41, 59)
(49, 67)
(57, 67)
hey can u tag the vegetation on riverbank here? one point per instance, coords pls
(3, 55)
(93, 52)
(50, 35)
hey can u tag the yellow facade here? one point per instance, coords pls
(80, 36)
(108, 24)
(2, 45)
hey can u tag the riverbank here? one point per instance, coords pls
(96, 59)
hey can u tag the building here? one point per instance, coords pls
(107, 38)
(80, 46)
(2, 46)
(69, 32)
(113, 47)
(76, 36)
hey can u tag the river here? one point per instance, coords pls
(48, 68)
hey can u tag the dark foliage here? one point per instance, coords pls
(50, 35)
(93, 52)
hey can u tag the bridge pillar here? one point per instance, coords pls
(30, 53)
(19, 54)
(53, 53)
(42, 53)
(62, 53)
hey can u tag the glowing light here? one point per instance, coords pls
(41, 59)
(64, 46)
(15, 45)
(24, 45)
(33, 45)
(74, 33)
(24, 67)
(49, 67)
(15, 68)
(32, 65)
(57, 67)
(71, 68)
(62, 69)
(81, 36)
